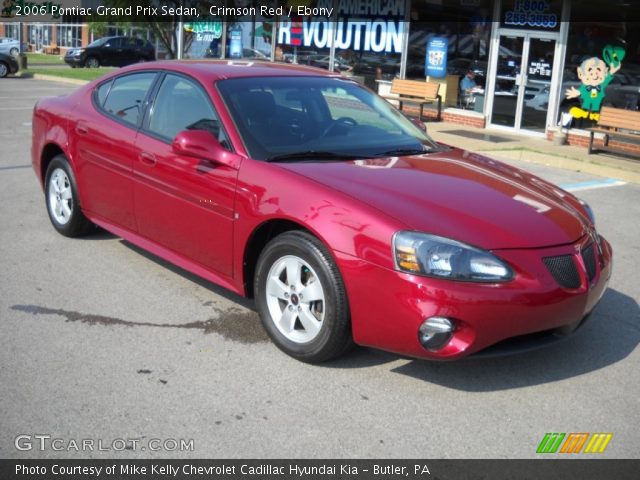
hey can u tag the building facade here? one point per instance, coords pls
(522, 65)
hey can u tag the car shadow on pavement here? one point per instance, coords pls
(611, 334)
(98, 234)
(223, 292)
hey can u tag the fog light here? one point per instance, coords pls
(435, 332)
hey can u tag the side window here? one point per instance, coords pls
(102, 91)
(126, 97)
(182, 105)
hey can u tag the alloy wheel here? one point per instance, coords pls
(295, 299)
(60, 196)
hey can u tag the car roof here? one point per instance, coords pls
(212, 70)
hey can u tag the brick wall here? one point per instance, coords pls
(448, 115)
(580, 139)
(472, 121)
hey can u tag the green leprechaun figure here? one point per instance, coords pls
(595, 74)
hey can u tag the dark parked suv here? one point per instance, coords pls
(111, 51)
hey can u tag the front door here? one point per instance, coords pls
(522, 83)
(183, 203)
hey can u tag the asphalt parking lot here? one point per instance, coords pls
(100, 340)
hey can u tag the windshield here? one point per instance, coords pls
(296, 117)
(99, 42)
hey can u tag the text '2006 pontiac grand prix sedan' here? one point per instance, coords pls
(316, 197)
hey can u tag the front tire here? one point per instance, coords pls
(61, 195)
(301, 298)
(92, 62)
(14, 52)
(4, 69)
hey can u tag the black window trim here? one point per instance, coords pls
(145, 102)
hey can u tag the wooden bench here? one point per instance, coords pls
(415, 92)
(616, 123)
(51, 50)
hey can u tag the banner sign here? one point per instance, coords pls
(532, 14)
(360, 25)
(235, 42)
(435, 63)
(205, 31)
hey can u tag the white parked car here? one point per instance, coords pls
(9, 46)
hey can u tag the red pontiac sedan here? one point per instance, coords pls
(313, 195)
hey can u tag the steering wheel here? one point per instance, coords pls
(339, 122)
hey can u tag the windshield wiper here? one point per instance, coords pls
(403, 152)
(312, 155)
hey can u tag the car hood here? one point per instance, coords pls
(459, 195)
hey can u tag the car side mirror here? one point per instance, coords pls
(203, 145)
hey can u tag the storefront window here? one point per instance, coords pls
(39, 36)
(368, 37)
(69, 36)
(307, 39)
(12, 30)
(602, 66)
(463, 30)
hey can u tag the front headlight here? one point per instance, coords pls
(78, 52)
(424, 254)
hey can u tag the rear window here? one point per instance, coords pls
(126, 96)
(102, 92)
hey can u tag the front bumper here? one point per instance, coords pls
(74, 60)
(387, 307)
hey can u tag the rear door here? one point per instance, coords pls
(131, 51)
(104, 146)
(184, 203)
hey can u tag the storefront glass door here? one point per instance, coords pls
(523, 75)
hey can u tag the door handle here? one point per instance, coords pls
(82, 129)
(148, 159)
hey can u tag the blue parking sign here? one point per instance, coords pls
(435, 63)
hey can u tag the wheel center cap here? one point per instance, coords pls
(294, 299)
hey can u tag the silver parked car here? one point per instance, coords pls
(10, 46)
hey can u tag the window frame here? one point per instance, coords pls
(145, 103)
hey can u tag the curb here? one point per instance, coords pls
(72, 81)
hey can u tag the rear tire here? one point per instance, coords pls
(4, 69)
(301, 298)
(14, 52)
(61, 197)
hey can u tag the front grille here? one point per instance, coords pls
(589, 259)
(564, 270)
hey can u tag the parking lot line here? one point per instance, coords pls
(15, 167)
(592, 184)
(3, 109)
